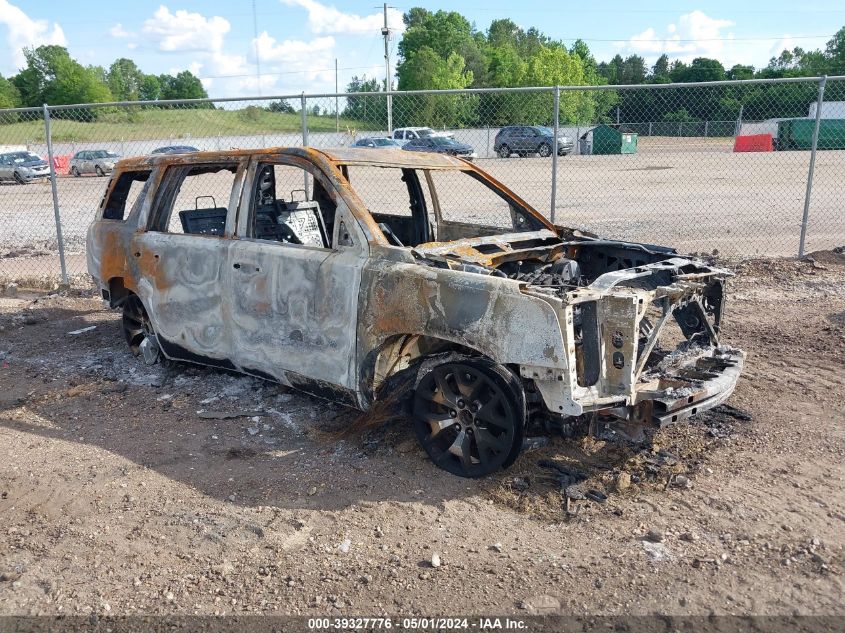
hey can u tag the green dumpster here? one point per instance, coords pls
(798, 134)
(613, 140)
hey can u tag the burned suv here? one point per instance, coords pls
(372, 275)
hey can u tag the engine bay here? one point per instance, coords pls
(542, 259)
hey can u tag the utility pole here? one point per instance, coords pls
(336, 111)
(257, 59)
(385, 31)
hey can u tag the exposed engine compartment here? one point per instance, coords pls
(615, 300)
(545, 260)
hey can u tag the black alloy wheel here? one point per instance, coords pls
(470, 416)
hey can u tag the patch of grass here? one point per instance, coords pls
(115, 124)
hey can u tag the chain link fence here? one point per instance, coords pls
(726, 167)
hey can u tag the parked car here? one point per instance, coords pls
(174, 149)
(404, 134)
(375, 141)
(96, 161)
(441, 145)
(455, 298)
(530, 139)
(22, 167)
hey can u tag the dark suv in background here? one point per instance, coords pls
(530, 139)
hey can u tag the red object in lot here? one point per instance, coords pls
(754, 143)
(61, 164)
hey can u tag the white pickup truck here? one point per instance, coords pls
(404, 134)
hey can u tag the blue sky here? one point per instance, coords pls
(298, 40)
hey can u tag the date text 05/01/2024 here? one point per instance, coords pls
(482, 624)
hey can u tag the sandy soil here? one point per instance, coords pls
(117, 497)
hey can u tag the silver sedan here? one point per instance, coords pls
(96, 161)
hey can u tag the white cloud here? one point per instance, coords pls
(695, 35)
(287, 66)
(184, 31)
(119, 32)
(328, 19)
(295, 52)
(23, 31)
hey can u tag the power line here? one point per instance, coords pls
(287, 72)
(701, 39)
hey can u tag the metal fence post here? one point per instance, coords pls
(59, 239)
(554, 152)
(806, 217)
(304, 115)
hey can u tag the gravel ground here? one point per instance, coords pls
(694, 194)
(118, 497)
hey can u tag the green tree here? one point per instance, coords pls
(281, 106)
(700, 69)
(835, 49)
(149, 89)
(426, 70)
(444, 32)
(125, 80)
(550, 66)
(51, 76)
(9, 95)
(660, 70)
(185, 85)
(418, 71)
(368, 109)
(738, 71)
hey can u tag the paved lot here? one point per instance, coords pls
(694, 194)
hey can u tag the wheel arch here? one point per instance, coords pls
(402, 352)
(118, 292)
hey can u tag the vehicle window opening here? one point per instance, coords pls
(125, 194)
(282, 210)
(396, 200)
(464, 197)
(183, 189)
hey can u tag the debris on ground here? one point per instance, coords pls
(83, 330)
(227, 415)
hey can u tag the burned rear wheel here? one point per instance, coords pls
(470, 416)
(138, 330)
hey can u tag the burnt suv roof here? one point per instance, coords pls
(339, 156)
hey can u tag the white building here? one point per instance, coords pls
(830, 110)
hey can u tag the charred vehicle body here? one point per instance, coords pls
(358, 274)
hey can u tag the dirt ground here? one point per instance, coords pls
(118, 496)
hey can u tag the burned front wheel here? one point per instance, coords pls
(470, 416)
(138, 330)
